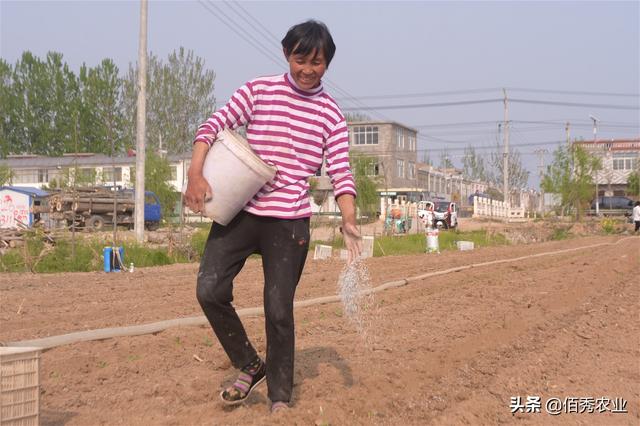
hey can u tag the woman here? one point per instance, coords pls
(292, 123)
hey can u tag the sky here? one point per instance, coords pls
(419, 63)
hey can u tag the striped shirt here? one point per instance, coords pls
(293, 130)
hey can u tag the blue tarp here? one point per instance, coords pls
(28, 190)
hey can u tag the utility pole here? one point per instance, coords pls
(595, 139)
(541, 153)
(505, 155)
(75, 195)
(115, 191)
(141, 123)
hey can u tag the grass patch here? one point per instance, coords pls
(140, 255)
(37, 256)
(560, 234)
(60, 259)
(199, 240)
(417, 243)
(608, 225)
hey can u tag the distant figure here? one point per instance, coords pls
(636, 216)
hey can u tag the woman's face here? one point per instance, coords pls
(307, 70)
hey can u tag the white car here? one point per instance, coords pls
(441, 214)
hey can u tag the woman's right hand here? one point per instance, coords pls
(198, 191)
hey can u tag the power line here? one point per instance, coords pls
(561, 122)
(265, 50)
(244, 35)
(484, 101)
(575, 104)
(438, 104)
(276, 44)
(481, 147)
(421, 95)
(496, 89)
(571, 92)
(264, 30)
(585, 123)
(468, 123)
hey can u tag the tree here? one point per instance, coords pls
(6, 175)
(570, 175)
(101, 114)
(45, 105)
(356, 116)
(179, 97)
(7, 108)
(426, 159)
(633, 184)
(366, 186)
(473, 165)
(518, 175)
(445, 161)
(157, 172)
(73, 176)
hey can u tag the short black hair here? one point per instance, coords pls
(304, 38)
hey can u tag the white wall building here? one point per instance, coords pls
(620, 157)
(39, 171)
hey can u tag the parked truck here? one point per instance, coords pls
(442, 214)
(93, 208)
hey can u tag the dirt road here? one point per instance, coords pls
(453, 349)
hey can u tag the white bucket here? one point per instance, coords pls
(432, 241)
(235, 174)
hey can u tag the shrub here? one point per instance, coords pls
(560, 234)
(608, 225)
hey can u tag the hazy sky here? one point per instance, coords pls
(389, 53)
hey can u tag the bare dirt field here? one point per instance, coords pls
(446, 350)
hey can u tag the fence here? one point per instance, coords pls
(486, 208)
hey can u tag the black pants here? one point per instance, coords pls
(283, 245)
(637, 223)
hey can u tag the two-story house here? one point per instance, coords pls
(620, 157)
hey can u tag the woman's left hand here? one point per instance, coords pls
(352, 240)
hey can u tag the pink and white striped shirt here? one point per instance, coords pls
(291, 129)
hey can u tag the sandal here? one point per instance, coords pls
(279, 406)
(248, 379)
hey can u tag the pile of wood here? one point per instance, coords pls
(11, 237)
(88, 201)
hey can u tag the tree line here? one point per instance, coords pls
(48, 109)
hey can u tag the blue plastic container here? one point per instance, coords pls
(111, 262)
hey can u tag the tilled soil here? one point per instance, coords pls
(450, 349)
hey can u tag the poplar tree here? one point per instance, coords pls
(518, 175)
(570, 176)
(101, 113)
(179, 97)
(44, 105)
(473, 165)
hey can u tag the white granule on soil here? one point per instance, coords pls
(354, 288)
